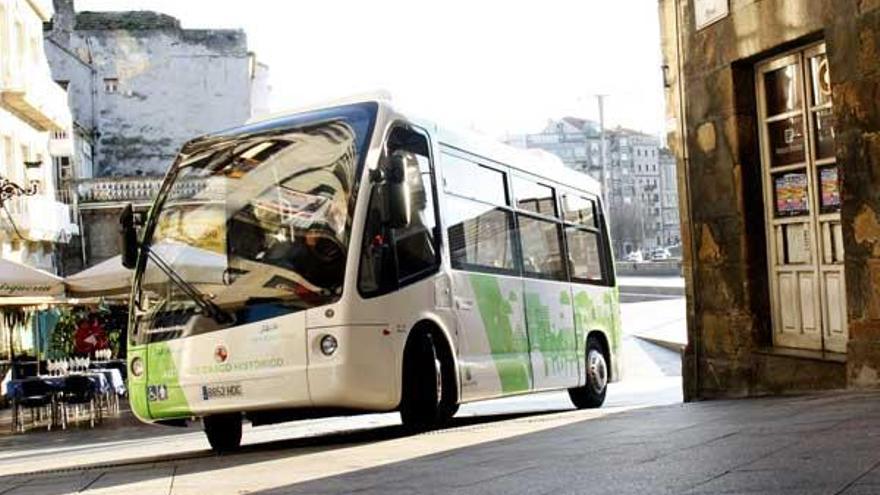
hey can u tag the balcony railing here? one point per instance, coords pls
(116, 191)
(38, 218)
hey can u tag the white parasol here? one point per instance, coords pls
(18, 280)
(107, 278)
(110, 278)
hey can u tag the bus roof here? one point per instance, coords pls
(532, 161)
(535, 162)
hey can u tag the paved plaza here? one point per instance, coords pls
(824, 444)
(644, 440)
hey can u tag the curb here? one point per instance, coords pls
(652, 290)
(666, 344)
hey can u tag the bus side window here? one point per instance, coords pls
(480, 223)
(586, 240)
(609, 278)
(394, 257)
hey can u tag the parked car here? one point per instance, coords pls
(635, 256)
(660, 254)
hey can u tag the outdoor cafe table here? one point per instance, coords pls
(118, 364)
(100, 383)
(114, 378)
(103, 383)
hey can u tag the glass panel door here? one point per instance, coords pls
(802, 201)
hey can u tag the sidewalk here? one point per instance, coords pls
(655, 282)
(817, 444)
(825, 443)
(121, 427)
(659, 322)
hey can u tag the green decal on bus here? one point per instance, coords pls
(510, 353)
(556, 345)
(163, 373)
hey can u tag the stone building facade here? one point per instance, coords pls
(144, 85)
(140, 86)
(774, 122)
(35, 130)
(631, 172)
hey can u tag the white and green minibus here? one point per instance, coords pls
(349, 259)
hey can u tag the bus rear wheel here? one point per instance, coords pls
(592, 394)
(426, 400)
(223, 431)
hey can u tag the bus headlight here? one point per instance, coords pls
(329, 344)
(137, 366)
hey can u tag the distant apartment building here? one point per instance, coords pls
(671, 229)
(140, 86)
(575, 141)
(35, 130)
(635, 188)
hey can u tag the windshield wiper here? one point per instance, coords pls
(208, 307)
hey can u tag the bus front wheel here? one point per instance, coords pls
(592, 394)
(424, 404)
(223, 431)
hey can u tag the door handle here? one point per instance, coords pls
(464, 304)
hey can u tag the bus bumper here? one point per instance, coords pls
(362, 373)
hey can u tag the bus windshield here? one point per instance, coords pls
(254, 222)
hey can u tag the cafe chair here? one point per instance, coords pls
(79, 392)
(37, 397)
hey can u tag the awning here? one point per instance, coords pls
(18, 280)
(39, 301)
(107, 278)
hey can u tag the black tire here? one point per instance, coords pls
(592, 394)
(223, 431)
(428, 400)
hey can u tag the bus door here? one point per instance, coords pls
(546, 290)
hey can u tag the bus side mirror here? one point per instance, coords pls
(129, 237)
(397, 190)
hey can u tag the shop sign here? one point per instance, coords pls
(707, 12)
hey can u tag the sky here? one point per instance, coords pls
(497, 67)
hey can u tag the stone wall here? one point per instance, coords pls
(81, 80)
(101, 229)
(720, 180)
(171, 84)
(140, 86)
(855, 66)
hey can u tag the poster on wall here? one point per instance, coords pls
(790, 191)
(830, 188)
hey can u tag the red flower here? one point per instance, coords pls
(89, 337)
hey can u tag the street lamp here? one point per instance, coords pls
(9, 190)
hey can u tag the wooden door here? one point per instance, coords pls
(802, 201)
